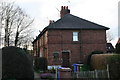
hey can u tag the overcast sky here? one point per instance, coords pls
(103, 12)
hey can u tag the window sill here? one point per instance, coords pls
(75, 41)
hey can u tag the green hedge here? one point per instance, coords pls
(88, 63)
(16, 64)
(114, 66)
(84, 67)
(40, 64)
(117, 48)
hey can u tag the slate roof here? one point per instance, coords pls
(70, 21)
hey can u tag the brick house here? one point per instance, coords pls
(69, 40)
(110, 48)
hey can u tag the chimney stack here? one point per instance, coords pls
(64, 11)
(51, 21)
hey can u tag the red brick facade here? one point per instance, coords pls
(53, 41)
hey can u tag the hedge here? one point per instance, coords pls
(117, 48)
(88, 63)
(114, 66)
(40, 64)
(16, 64)
(99, 61)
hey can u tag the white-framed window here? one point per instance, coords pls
(75, 36)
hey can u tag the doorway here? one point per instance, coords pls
(65, 59)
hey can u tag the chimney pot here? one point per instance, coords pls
(51, 21)
(61, 7)
(64, 7)
(64, 11)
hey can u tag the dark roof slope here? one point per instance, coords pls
(70, 21)
(110, 48)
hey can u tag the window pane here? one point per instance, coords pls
(75, 33)
(75, 36)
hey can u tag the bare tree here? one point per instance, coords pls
(8, 16)
(0, 27)
(109, 36)
(22, 26)
(15, 22)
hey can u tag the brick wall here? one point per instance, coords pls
(89, 40)
(40, 46)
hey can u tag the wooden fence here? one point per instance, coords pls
(97, 74)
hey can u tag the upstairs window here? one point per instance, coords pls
(75, 36)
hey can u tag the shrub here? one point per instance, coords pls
(114, 59)
(117, 48)
(27, 52)
(16, 64)
(99, 61)
(114, 66)
(97, 52)
(40, 64)
(84, 67)
(89, 58)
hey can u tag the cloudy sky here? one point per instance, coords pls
(103, 12)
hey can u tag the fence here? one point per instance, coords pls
(97, 74)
